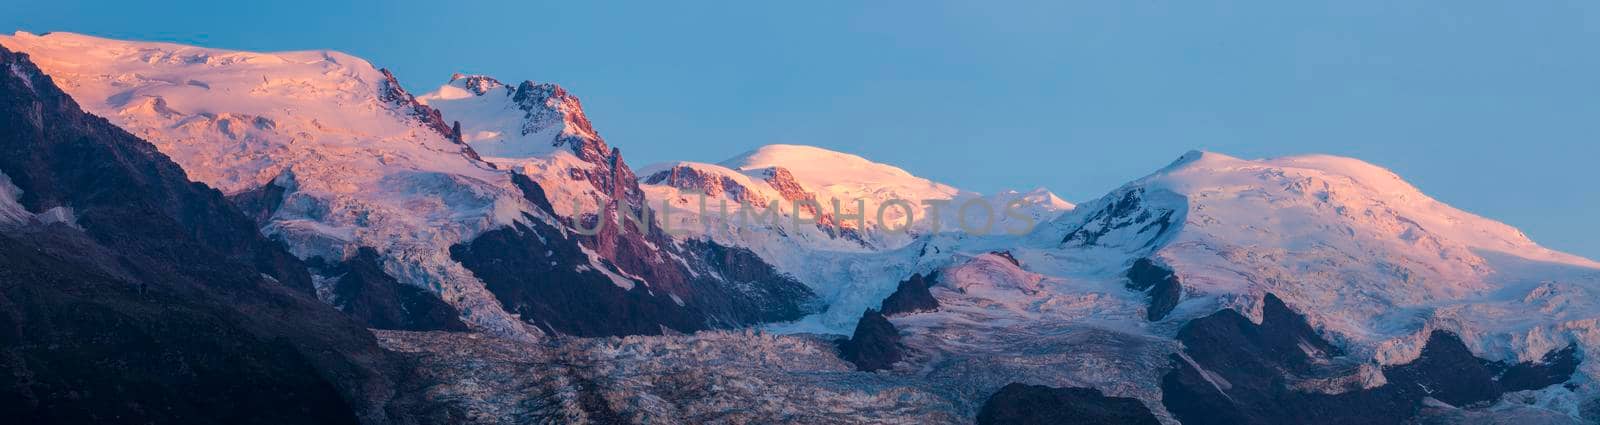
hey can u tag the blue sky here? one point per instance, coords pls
(1491, 106)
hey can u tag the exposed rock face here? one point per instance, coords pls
(478, 84)
(688, 177)
(546, 276)
(1020, 404)
(875, 345)
(546, 106)
(692, 285)
(163, 304)
(912, 296)
(785, 183)
(362, 290)
(1127, 213)
(1233, 371)
(1160, 283)
(391, 92)
(1448, 371)
(749, 291)
(1007, 255)
(548, 281)
(1556, 367)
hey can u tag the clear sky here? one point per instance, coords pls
(1491, 106)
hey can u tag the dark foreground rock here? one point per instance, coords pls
(1233, 371)
(875, 344)
(1020, 404)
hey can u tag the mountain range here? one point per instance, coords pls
(205, 235)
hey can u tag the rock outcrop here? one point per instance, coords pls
(1021, 404)
(875, 344)
(1233, 371)
(912, 296)
(1160, 283)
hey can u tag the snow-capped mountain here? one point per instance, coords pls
(1382, 274)
(1376, 257)
(1306, 289)
(849, 259)
(540, 130)
(856, 182)
(543, 118)
(836, 175)
(333, 157)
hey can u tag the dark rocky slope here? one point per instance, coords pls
(543, 274)
(1233, 371)
(1446, 370)
(162, 304)
(1020, 404)
(362, 290)
(545, 279)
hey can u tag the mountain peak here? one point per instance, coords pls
(820, 168)
(552, 101)
(801, 155)
(476, 84)
(531, 120)
(1294, 202)
(1197, 158)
